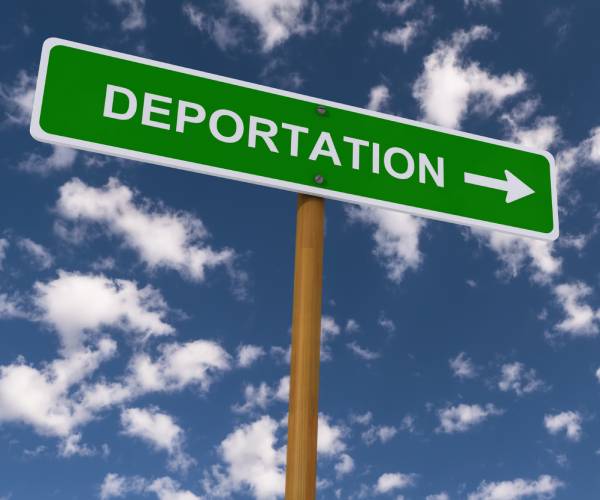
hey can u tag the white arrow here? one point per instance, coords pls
(515, 188)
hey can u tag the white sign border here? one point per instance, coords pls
(38, 133)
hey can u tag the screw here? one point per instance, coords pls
(321, 110)
(319, 179)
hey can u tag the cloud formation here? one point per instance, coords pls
(567, 421)
(78, 306)
(160, 431)
(17, 99)
(134, 11)
(161, 237)
(391, 481)
(450, 87)
(396, 236)
(462, 367)
(581, 319)
(517, 378)
(379, 98)
(164, 488)
(61, 158)
(544, 487)
(462, 417)
(43, 398)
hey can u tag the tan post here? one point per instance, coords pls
(301, 470)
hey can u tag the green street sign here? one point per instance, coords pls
(123, 105)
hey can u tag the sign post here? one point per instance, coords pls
(301, 467)
(122, 105)
(144, 110)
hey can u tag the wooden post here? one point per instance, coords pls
(301, 470)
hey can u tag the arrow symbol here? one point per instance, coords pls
(515, 188)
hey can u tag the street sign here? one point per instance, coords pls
(123, 105)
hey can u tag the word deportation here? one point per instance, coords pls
(191, 113)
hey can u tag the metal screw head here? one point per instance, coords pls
(321, 110)
(319, 179)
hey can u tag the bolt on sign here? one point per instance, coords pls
(122, 105)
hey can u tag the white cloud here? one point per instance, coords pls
(77, 305)
(255, 398)
(394, 481)
(277, 20)
(165, 488)
(576, 241)
(17, 99)
(516, 252)
(345, 465)
(11, 307)
(463, 417)
(580, 318)
(71, 446)
(567, 421)
(279, 73)
(586, 153)
(163, 238)
(41, 398)
(403, 36)
(261, 396)
(41, 257)
(379, 98)
(330, 437)
(61, 158)
(219, 29)
(515, 377)
(4, 244)
(352, 326)
(462, 366)
(283, 389)
(116, 486)
(364, 419)
(194, 15)
(159, 430)
(247, 355)
(179, 365)
(396, 237)
(408, 423)
(386, 323)
(254, 461)
(398, 7)
(363, 352)
(135, 17)
(598, 374)
(544, 132)
(450, 86)
(439, 496)
(104, 264)
(329, 330)
(483, 3)
(523, 110)
(195, 363)
(281, 355)
(382, 433)
(56, 400)
(539, 134)
(545, 487)
(46, 400)
(251, 461)
(593, 145)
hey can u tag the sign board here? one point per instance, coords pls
(123, 105)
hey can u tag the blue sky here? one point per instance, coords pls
(145, 312)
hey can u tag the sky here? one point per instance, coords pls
(145, 312)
